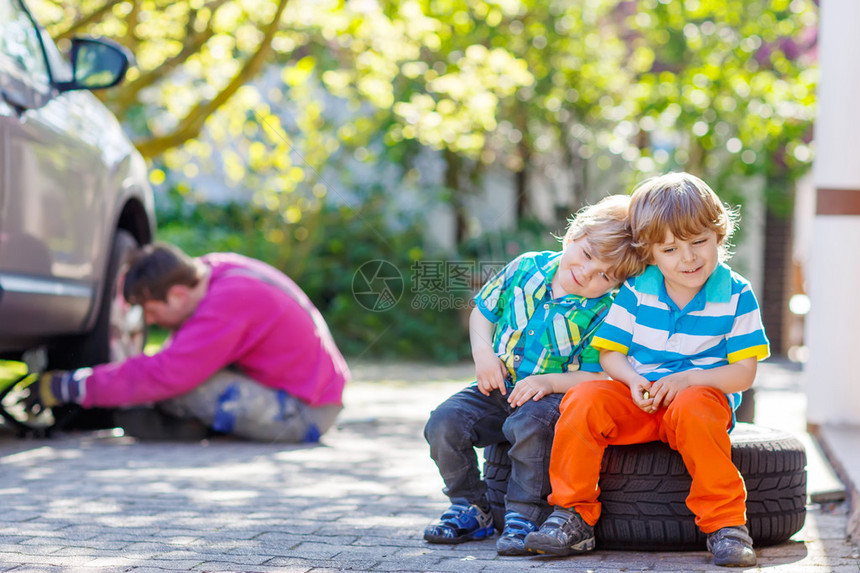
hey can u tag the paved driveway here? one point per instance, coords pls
(359, 501)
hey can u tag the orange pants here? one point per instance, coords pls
(598, 413)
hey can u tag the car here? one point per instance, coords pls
(75, 201)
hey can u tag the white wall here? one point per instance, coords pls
(833, 323)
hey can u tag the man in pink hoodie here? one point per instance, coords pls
(249, 354)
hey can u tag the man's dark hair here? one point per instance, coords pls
(154, 269)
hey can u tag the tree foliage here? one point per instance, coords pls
(310, 105)
(727, 85)
(732, 82)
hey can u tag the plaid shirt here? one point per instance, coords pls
(536, 333)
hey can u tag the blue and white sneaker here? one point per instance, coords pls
(512, 540)
(460, 522)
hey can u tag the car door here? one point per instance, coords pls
(50, 219)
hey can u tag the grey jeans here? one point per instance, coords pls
(232, 403)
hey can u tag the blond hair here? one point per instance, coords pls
(607, 228)
(682, 204)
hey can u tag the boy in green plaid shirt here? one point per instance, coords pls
(530, 332)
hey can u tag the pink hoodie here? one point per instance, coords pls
(280, 340)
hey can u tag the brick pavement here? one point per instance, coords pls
(359, 501)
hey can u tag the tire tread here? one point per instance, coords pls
(644, 488)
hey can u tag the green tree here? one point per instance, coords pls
(192, 56)
(284, 99)
(485, 80)
(730, 84)
(574, 56)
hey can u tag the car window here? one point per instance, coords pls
(20, 47)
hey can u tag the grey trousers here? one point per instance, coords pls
(232, 403)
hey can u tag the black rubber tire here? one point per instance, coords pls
(644, 487)
(497, 470)
(94, 347)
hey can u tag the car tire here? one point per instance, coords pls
(644, 488)
(497, 470)
(112, 325)
(119, 333)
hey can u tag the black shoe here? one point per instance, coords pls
(732, 547)
(563, 533)
(152, 424)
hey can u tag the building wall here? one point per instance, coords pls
(832, 333)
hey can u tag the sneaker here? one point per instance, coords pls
(563, 533)
(732, 547)
(511, 542)
(461, 522)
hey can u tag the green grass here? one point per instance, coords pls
(155, 338)
(10, 371)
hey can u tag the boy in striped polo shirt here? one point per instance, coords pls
(681, 342)
(530, 334)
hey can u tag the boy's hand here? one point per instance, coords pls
(490, 372)
(529, 388)
(642, 393)
(664, 390)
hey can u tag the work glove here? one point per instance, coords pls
(56, 387)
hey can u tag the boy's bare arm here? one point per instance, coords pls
(537, 386)
(490, 371)
(735, 377)
(619, 368)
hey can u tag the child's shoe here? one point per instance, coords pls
(732, 547)
(563, 533)
(511, 542)
(461, 522)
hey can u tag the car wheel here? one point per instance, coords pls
(119, 333)
(643, 488)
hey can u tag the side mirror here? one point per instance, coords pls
(96, 64)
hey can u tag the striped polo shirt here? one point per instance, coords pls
(534, 332)
(721, 325)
